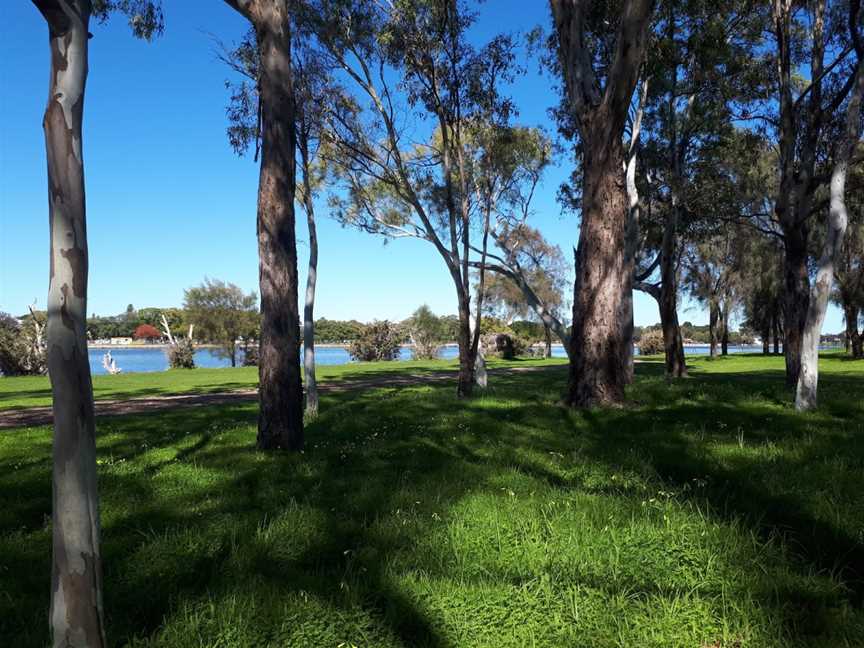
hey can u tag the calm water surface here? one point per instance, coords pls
(132, 360)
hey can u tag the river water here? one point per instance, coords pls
(142, 359)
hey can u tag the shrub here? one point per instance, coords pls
(377, 341)
(651, 343)
(181, 354)
(22, 350)
(426, 333)
(250, 355)
(146, 332)
(502, 345)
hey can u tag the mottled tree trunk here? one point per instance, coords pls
(280, 418)
(598, 344)
(599, 357)
(311, 280)
(806, 391)
(724, 339)
(766, 340)
(76, 616)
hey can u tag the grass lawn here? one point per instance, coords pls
(32, 391)
(707, 513)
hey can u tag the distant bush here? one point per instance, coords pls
(181, 354)
(651, 343)
(250, 355)
(22, 350)
(377, 341)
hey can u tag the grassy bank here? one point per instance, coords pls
(33, 391)
(706, 513)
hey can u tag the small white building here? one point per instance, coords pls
(120, 341)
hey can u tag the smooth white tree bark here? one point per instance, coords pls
(806, 391)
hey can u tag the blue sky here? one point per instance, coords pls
(168, 201)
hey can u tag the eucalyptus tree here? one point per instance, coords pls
(222, 313)
(812, 42)
(698, 67)
(849, 272)
(531, 275)
(600, 50)
(762, 289)
(712, 276)
(529, 278)
(820, 289)
(314, 91)
(405, 180)
(77, 615)
(280, 389)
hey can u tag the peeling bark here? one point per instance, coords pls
(599, 343)
(76, 616)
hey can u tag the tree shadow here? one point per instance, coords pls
(192, 509)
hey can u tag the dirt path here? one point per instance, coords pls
(43, 415)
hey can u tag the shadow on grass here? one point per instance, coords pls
(190, 504)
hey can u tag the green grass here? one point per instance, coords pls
(706, 513)
(33, 391)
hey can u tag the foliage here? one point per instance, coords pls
(146, 332)
(222, 313)
(181, 354)
(651, 343)
(377, 341)
(145, 16)
(528, 330)
(506, 346)
(22, 349)
(336, 331)
(426, 332)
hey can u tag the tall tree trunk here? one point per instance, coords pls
(673, 342)
(775, 326)
(481, 376)
(76, 616)
(467, 359)
(547, 334)
(724, 339)
(853, 337)
(311, 280)
(796, 295)
(280, 418)
(598, 344)
(806, 391)
(766, 340)
(599, 357)
(713, 317)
